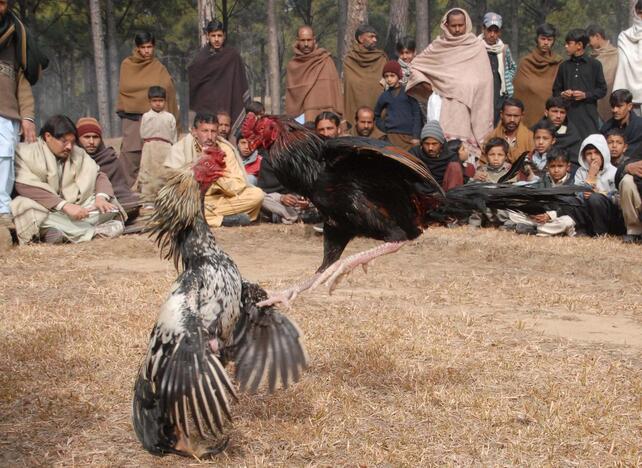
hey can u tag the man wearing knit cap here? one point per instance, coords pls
(444, 167)
(402, 119)
(90, 139)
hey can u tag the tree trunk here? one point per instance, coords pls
(422, 14)
(205, 15)
(397, 25)
(100, 66)
(514, 15)
(114, 63)
(273, 57)
(341, 33)
(357, 14)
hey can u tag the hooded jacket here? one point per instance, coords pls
(606, 177)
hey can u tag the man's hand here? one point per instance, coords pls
(568, 94)
(76, 212)
(541, 218)
(587, 195)
(28, 130)
(414, 142)
(579, 95)
(289, 200)
(103, 205)
(634, 168)
(303, 203)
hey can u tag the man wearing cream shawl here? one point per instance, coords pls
(62, 195)
(607, 55)
(629, 67)
(312, 82)
(456, 67)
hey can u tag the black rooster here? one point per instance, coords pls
(209, 318)
(368, 188)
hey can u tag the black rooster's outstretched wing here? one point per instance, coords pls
(515, 168)
(339, 149)
(267, 344)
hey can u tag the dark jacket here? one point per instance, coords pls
(402, 113)
(632, 132)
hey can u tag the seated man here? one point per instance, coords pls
(62, 195)
(230, 201)
(90, 138)
(621, 101)
(567, 136)
(511, 129)
(365, 124)
(225, 126)
(629, 180)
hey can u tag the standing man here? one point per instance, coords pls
(138, 73)
(629, 67)
(362, 69)
(501, 61)
(606, 54)
(217, 78)
(455, 66)
(511, 129)
(312, 84)
(20, 66)
(580, 81)
(536, 74)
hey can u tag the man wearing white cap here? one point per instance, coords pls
(501, 61)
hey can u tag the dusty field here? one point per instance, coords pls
(465, 348)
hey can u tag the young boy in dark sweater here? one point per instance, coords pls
(396, 113)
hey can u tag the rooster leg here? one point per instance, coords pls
(341, 268)
(287, 295)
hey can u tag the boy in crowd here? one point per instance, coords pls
(544, 139)
(158, 132)
(616, 140)
(567, 136)
(251, 160)
(402, 120)
(496, 153)
(621, 102)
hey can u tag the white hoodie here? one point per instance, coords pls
(606, 176)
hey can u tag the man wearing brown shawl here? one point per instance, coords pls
(312, 82)
(217, 78)
(361, 72)
(138, 73)
(456, 67)
(606, 53)
(535, 75)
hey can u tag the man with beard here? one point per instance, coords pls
(217, 78)
(312, 84)
(365, 124)
(362, 71)
(90, 138)
(606, 54)
(566, 135)
(230, 201)
(536, 73)
(20, 66)
(455, 66)
(621, 101)
(511, 129)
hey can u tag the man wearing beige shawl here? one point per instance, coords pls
(456, 67)
(312, 82)
(629, 67)
(607, 55)
(138, 73)
(362, 69)
(230, 201)
(62, 195)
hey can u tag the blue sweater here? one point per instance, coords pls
(403, 114)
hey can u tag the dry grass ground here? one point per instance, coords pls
(465, 348)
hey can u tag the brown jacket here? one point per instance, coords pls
(524, 141)
(16, 98)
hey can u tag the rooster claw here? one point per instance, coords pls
(283, 298)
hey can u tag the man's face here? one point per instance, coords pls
(617, 146)
(368, 40)
(557, 169)
(545, 43)
(4, 7)
(305, 40)
(573, 48)
(621, 111)
(146, 50)
(407, 55)
(244, 148)
(205, 134)
(157, 104)
(365, 123)
(544, 141)
(327, 128)
(595, 41)
(492, 34)
(511, 117)
(60, 147)
(592, 154)
(431, 147)
(216, 39)
(90, 142)
(456, 25)
(224, 125)
(557, 115)
(496, 156)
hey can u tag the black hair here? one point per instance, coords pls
(595, 30)
(363, 29)
(546, 30)
(616, 131)
(204, 118)
(156, 92)
(557, 153)
(256, 107)
(58, 126)
(406, 43)
(512, 102)
(620, 96)
(327, 115)
(453, 146)
(362, 108)
(214, 25)
(144, 37)
(557, 101)
(455, 12)
(493, 142)
(544, 124)
(577, 35)
(638, 6)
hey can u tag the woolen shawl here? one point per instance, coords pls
(629, 68)
(608, 57)
(361, 74)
